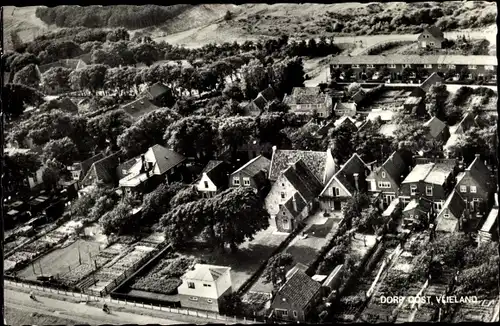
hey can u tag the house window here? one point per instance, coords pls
(431, 43)
(193, 298)
(320, 114)
(295, 314)
(282, 184)
(383, 174)
(282, 195)
(411, 216)
(206, 184)
(336, 66)
(451, 66)
(210, 300)
(207, 285)
(236, 181)
(438, 206)
(382, 184)
(428, 190)
(472, 67)
(446, 215)
(191, 285)
(476, 200)
(393, 66)
(489, 68)
(284, 312)
(246, 181)
(463, 188)
(413, 190)
(473, 189)
(284, 213)
(370, 66)
(428, 66)
(407, 65)
(355, 66)
(416, 216)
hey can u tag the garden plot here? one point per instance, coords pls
(61, 260)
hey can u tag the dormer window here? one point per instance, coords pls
(383, 174)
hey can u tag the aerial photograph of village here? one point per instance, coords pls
(250, 163)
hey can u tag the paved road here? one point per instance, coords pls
(81, 313)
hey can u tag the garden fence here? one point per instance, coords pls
(180, 311)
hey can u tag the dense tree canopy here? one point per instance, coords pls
(16, 97)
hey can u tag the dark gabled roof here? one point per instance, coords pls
(298, 290)
(435, 31)
(346, 173)
(303, 180)
(421, 204)
(139, 107)
(465, 124)
(344, 106)
(315, 161)
(432, 80)
(306, 95)
(255, 166)
(299, 201)
(359, 96)
(123, 168)
(216, 172)
(395, 167)
(260, 102)
(436, 126)
(157, 90)
(455, 203)
(85, 165)
(165, 158)
(298, 266)
(480, 173)
(103, 170)
(7, 76)
(268, 94)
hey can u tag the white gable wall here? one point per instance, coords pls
(201, 185)
(200, 289)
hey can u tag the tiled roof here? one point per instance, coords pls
(432, 80)
(216, 172)
(419, 173)
(260, 102)
(295, 268)
(299, 201)
(315, 161)
(480, 173)
(102, 170)
(435, 31)
(254, 166)
(306, 95)
(436, 126)
(455, 203)
(268, 94)
(303, 180)
(344, 106)
(139, 107)
(298, 290)
(416, 59)
(165, 158)
(204, 272)
(157, 90)
(85, 165)
(359, 96)
(421, 204)
(439, 173)
(346, 173)
(395, 166)
(345, 119)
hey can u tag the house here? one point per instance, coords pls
(433, 79)
(341, 109)
(476, 186)
(103, 171)
(489, 230)
(214, 178)
(438, 130)
(254, 148)
(148, 170)
(257, 106)
(467, 122)
(321, 164)
(73, 64)
(480, 65)
(334, 280)
(79, 170)
(433, 181)
(139, 107)
(291, 213)
(296, 298)
(415, 106)
(296, 178)
(387, 178)
(204, 286)
(308, 101)
(34, 180)
(450, 219)
(252, 174)
(346, 121)
(418, 210)
(349, 179)
(156, 94)
(431, 37)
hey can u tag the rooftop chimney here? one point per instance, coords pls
(478, 155)
(274, 149)
(356, 180)
(294, 203)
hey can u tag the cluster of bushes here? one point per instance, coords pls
(385, 46)
(131, 17)
(165, 277)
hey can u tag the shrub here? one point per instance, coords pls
(158, 285)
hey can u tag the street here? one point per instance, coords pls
(78, 312)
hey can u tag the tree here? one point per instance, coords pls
(191, 136)
(277, 106)
(275, 269)
(476, 141)
(20, 61)
(62, 150)
(105, 57)
(340, 140)
(15, 168)
(119, 220)
(157, 202)
(146, 132)
(57, 78)
(371, 221)
(354, 206)
(436, 99)
(254, 78)
(52, 173)
(228, 15)
(186, 195)
(184, 222)
(305, 138)
(412, 138)
(118, 34)
(106, 128)
(16, 97)
(286, 75)
(236, 131)
(238, 214)
(352, 89)
(234, 92)
(145, 53)
(27, 76)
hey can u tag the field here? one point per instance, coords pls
(16, 317)
(57, 261)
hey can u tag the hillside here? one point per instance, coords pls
(193, 25)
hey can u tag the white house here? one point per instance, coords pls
(204, 286)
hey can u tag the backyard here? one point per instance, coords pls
(60, 260)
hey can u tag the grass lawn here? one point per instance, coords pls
(18, 317)
(57, 261)
(249, 257)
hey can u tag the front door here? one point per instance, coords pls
(424, 44)
(337, 206)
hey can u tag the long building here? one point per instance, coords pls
(478, 65)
